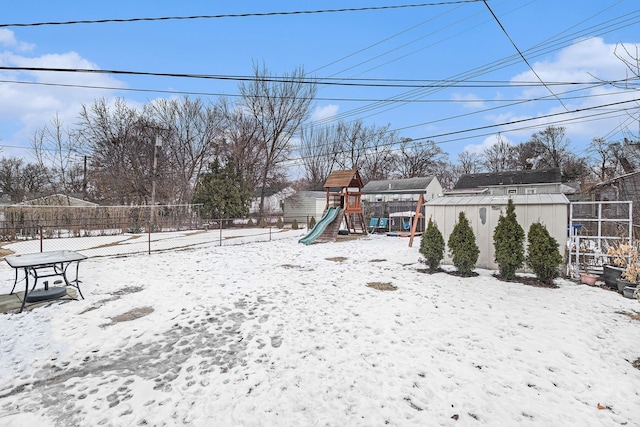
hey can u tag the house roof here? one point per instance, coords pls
(342, 179)
(57, 200)
(616, 179)
(534, 176)
(398, 186)
(485, 200)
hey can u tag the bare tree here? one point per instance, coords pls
(499, 157)
(56, 150)
(240, 141)
(469, 162)
(554, 146)
(353, 142)
(319, 150)
(420, 158)
(279, 105)
(605, 162)
(379, 160)
(121, 141)
(190, 132)
(368, 149)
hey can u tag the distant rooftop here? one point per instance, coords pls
(398, 186)
(534, 176)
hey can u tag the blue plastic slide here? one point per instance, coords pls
(320, 226)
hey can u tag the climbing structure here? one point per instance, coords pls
(343, 203)
(344, 190)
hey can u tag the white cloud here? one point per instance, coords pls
(325, 112)
(30, 99)
(472, 101)
(589, 60)
(8, 40)
(488, 142)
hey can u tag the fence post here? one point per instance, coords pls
(149, 237)
(220, 231)
(269, 232)
(41, 237)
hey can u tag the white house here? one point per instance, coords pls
(273, 201)
(303, 205)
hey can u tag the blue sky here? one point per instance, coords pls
(566, 41)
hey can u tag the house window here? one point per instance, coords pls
(531, 191)
(511, 191)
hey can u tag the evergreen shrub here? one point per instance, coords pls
(463, 247)
(432, 246)
(543, 256)
(294, 224)
(279, 223)
(312, 222)
(508, 241)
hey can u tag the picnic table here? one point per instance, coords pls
(42, 265)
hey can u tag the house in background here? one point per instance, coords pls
(273, 201)
(397, 199)
(304, 205)
(535, 181)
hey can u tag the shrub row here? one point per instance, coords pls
(542, 256)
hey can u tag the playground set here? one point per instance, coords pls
(344, 205)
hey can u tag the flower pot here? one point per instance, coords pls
(628, 291)
(588, 278)
(610, 275)
(623, 283)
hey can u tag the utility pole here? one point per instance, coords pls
(157, 145)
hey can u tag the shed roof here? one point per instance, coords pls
(342, 179)
(398, 186)
(57, 200)
(534, 176)
(518, 199)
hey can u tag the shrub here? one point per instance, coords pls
(294, 224)
(508, 240)
(432, 246)
(462, 243)
(312, 222)
(250, 223)
(279, 223)
(542, 255)
(262, 223)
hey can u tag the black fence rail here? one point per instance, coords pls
(36, 222)
(129, 234)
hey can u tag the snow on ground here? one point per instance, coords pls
(281, 334)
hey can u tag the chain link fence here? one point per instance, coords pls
(122, 230)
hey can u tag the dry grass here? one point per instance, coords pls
(337, 259)
(382, 286)
(635, 315)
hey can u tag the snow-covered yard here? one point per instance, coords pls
(278, 333)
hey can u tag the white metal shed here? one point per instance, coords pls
(483, 212)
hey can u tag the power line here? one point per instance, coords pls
(239, 15)
(403, 83)
(521, 54)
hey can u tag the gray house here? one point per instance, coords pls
(536, 181)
